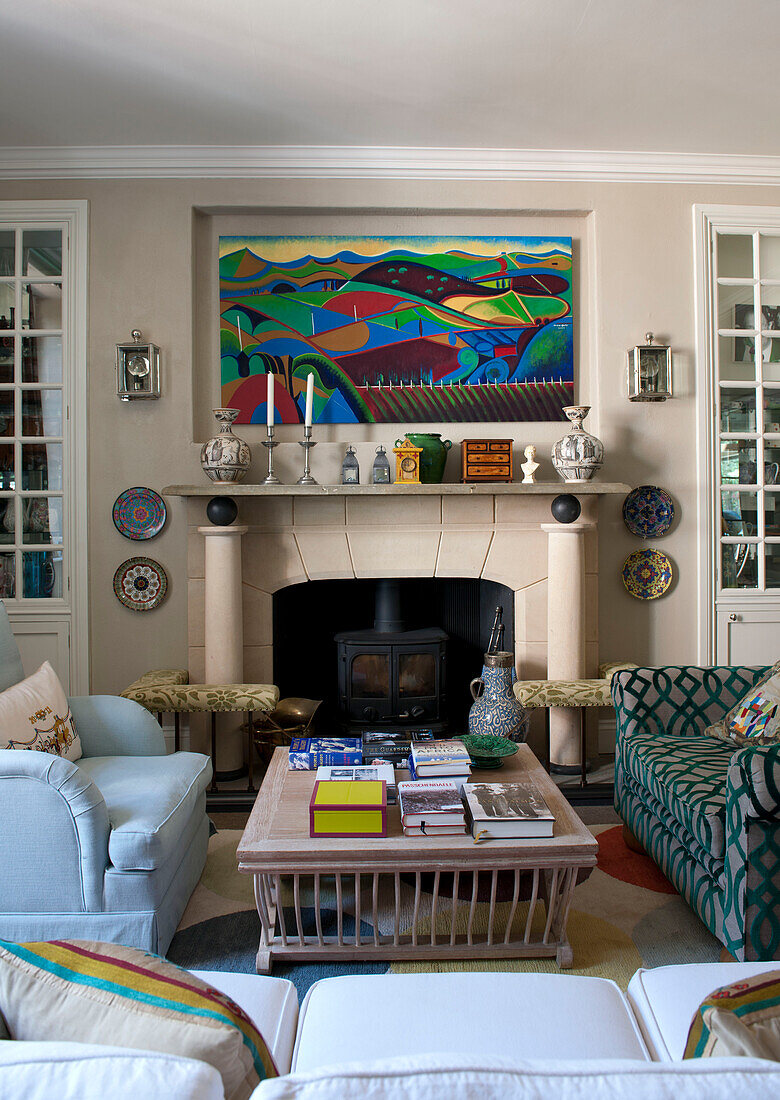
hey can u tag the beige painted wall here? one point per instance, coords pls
(147, 239)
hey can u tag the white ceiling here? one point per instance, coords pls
(677, 76)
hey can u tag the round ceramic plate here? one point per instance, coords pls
(139, 513)
(140, 584)
(648, 511)
(647, 574)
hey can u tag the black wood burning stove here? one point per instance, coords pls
(390, 675)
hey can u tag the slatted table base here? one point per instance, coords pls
(283, 937)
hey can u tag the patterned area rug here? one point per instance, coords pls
(624, 916)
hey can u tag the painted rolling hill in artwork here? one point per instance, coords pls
(407, 334)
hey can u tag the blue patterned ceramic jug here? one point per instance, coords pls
(495, 710)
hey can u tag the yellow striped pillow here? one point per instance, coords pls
(78, 991)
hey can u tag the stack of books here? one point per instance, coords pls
(345, 808)
(440, 760)
(361, 773)
(308, 753)
(392, 746)
(431, 807)
(507, 810)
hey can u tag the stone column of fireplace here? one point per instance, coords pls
(224, 630)
(565, 630)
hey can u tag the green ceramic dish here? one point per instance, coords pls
(486, 751)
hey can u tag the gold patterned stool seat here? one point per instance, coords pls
(168, 691)
(595, 692)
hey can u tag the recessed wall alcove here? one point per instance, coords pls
(307, 616)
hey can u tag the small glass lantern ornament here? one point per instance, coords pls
(350, 470)
(649, 371)
(137, 369)
(380, 472)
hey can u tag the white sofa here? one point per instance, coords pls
(396, 1037)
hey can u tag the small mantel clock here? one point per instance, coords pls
(407, 462)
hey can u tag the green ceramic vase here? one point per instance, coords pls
(433, 457)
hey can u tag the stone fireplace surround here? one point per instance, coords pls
(291, 534)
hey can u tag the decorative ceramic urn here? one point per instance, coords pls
(433, 457)
(495, 711)
(225, 457)
(578, 455)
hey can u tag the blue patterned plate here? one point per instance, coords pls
(648, 512)
(139, 513)
(647, 574)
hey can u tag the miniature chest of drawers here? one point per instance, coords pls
(486, 459)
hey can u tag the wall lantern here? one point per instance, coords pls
(649, 371)
(137, 369)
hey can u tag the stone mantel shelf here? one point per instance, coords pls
(516, 488)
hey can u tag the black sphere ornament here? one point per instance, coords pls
(565, 508)
(221, 511)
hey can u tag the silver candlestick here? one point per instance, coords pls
(271, 479)
(307, 443)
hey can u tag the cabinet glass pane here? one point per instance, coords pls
(738, 410)
(736, 307)
(42, 520)
(773, 565)
(7, 249)
(772, 463)
(772, 512)
(739, 512)
(737, 358)
(42, 412)
(737, 462)
(7, 576)
(770, 307)
(42, 574)
(42, 252)
(739, 565)
(769, 253)
(772, 410)
(770, 351)
(42, 359)
(42, 466)
(6, 412)
(41, 305)
(735, 255)
(6, 358)
(7, 519)
(7, 479)
(7, 299)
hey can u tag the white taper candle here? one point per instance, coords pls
(309, 399)
(270, 400)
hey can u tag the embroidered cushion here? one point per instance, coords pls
(755, 720)
(742, 1018)
(34, 714)
(78, 991)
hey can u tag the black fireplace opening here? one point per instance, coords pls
(393, 652)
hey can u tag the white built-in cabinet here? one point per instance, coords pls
(43, 472)
(738, 262)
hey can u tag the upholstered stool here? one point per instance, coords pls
(168, 691)
(581, 694)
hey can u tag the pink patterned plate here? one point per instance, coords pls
(139, 513)
(140, 584)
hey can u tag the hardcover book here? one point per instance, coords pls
(441, 758)
(507, 810)
(429, 803)
(346, 808)
(361, 773)
(307, 753)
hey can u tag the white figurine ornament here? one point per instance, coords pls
(530, 466)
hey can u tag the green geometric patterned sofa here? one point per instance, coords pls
(707, 812)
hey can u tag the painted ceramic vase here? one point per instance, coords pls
(225, 457)
(577, 456)
(433, 457)
(495, 711)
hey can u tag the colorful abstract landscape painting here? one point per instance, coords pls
(397, 330)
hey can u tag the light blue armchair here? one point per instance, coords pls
(109, 848)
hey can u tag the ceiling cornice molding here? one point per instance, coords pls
(375, 162)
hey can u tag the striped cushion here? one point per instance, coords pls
(738, 1019)
(77, 991)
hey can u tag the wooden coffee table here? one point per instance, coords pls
(376, 878)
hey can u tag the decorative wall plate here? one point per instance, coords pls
(648, 511)
(647, 574)
(139, 513)
(140, 584)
